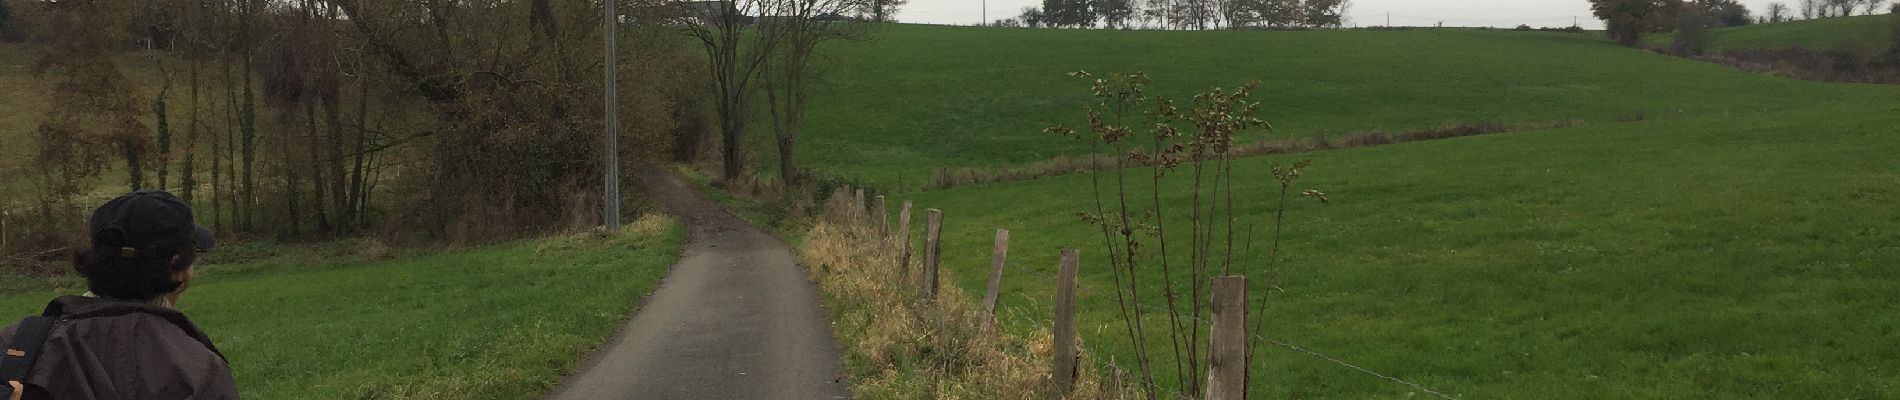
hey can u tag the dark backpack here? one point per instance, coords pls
(20, 354)
(30, 338)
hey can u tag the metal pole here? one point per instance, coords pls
(611, 199)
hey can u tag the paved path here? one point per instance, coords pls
(735, 319)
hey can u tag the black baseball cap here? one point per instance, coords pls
(147, 224)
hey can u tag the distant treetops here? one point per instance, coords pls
(1628, 20)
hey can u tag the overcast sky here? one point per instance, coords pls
(1497, 13)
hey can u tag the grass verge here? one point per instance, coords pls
(898, 345)
(498, 322)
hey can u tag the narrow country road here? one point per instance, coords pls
(736, 318)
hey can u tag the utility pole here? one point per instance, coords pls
(986, 14)
(610, 200)
(1388, 19)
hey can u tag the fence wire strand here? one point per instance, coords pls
(1316, 354)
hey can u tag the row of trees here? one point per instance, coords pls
(423, 118)
(1811, 9)
(1183, 14)
(1628, 20)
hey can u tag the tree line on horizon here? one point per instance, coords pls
(1627, 21)
(1182, 14)
(412, 120)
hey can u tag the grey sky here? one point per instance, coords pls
(1497, 13)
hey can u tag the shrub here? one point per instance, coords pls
(1841, 64)
(1893, 52)
(1692, 30)
(6, 22)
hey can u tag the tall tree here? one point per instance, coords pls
(1628, 20)
(1778, 12)
(736, 56)
(883, 10)
(1326, 13)
(1068, 13)
(803, 26)
(1114, 13)
(1724, 12)
(1284, 13)
(93, 111)
(1692, 29)
(1196, 14)
(164, 127)
(1032, 17)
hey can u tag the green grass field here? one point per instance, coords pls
(1870, 33)
(498, 322)
(913, 98)
(1719, 257)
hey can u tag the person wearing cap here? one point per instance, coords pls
(124, 339)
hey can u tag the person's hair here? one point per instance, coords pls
(144, 277)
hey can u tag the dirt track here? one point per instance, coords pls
(736, 318)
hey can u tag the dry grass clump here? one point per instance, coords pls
(649, 225)
(898, 345)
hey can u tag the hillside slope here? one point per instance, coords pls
(1871, 33)
(913, 97)
(1711, 257)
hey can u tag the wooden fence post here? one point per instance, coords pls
(933, 251)
(840, 195)
(1065, 368)
(903, 244)
(883, 222)
(857, 207)
(997, 255)
(1227, 340)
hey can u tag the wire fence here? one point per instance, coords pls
(1334, 360)
(1120, 373)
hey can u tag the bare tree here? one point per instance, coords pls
(735, 56)
(791, 68)
(1155, 12)
(92, 113)
(1777, 12)
(1844, 8)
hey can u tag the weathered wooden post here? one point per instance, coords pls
(857, 207)
(903, 243)
(997, 255)
(933, 250)
(1065, 368)
(883, 222)
(838, 198)
(1227, 340)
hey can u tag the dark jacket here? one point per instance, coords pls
(104, 349)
